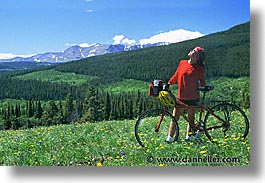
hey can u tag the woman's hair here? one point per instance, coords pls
(202, 57)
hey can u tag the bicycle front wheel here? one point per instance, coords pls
(146, 132)
(236, 127)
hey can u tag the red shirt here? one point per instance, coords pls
(188, 77)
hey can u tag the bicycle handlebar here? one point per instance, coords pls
(205, 88)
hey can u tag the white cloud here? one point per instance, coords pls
(84, 45)
(128, 41)
(6, 55)
(89, 11)
(11, 55)
(117, 39)
(81, 44)
(121, 39)
(69, 44)
(172, 36)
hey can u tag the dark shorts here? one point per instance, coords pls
(190, 102)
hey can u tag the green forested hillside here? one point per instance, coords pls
(228, 54)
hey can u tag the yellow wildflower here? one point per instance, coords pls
(203, 152)
(99, 164)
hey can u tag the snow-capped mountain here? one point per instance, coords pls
(77, 52)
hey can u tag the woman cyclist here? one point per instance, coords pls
(188, 76)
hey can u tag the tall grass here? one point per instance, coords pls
(112, 143)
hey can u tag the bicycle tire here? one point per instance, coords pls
(145, 126)
(237, 129)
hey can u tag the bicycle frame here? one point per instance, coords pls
(201, 107)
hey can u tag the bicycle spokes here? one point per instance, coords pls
(226, 121)
(151, 128)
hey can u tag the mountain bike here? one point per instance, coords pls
(223, 120)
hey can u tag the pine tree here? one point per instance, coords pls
(39, 111)
(78, 109)
(7, 120)
(92, 106)
(113, 112)
(130, 115)
(107, 107)
(17, 111)
(30, 108)
(51, 113)
(138, 105)
(60, 114)
(68, 108)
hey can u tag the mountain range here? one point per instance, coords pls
(77, 52)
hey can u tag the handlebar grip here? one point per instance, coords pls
(166, 86)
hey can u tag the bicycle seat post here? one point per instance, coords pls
(203, 97)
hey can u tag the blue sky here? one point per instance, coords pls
(38, 26)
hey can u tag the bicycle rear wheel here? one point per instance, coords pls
(145, 127)
(237, 127)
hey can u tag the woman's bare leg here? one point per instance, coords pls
(191, 116)
(172, 127)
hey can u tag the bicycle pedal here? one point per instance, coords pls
(197, 134)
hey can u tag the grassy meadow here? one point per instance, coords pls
(112, 143)
(57, 77)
